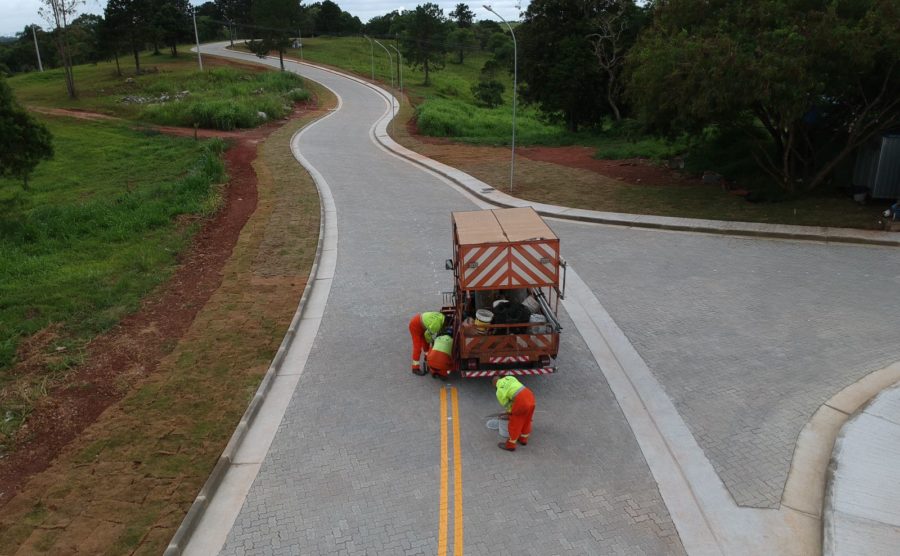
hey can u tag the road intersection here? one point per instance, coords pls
(689, 365)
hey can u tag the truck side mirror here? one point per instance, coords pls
(448, 264)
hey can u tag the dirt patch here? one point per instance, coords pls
(134, 346)
(72, 113)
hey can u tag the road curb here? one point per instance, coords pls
(210, 487)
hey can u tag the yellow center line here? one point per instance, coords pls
(457, 481)
(442, 506)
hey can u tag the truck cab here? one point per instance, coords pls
(508, 280)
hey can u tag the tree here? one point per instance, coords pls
(171, 21)
(382, 25)
(557, 63)
(424, 38)
(462, 15)
(24, 141)
(129, 19)
(461, 40)
(328, 20)
(488, 93)
(58, 13)
(276, 19)
(615, 30)
(820, 77)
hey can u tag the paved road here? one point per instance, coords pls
(355, 464)
(746, 336)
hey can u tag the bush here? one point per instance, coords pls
(488, 93)
(460, 120)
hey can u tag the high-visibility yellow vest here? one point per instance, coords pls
(444, 344)
(433, 322)
(507, 388)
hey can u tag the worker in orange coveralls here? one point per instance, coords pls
(519, 404)
(439, 358)
(423, 328)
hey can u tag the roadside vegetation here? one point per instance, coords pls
(172, 91)
(156, 447)
(102, 223)
(101, 226)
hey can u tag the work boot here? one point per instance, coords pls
(418, 371)
(523, 440)
(507, 446)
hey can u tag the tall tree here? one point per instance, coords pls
(276, 20)
(423, 40)
(615, 30)
(462, 15)
(172, 20)
(556, 60)
(59, 13)
(129, 19)
(461, 40)
(820, 76)
(24, 142)
(328, 20)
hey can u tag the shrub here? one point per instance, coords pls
(488, 93)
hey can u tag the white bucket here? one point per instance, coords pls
(483, 317)
(541, 324)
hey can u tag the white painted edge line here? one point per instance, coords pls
(216, 507)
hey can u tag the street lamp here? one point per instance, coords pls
(373, 55)
(391, 66)
(399, 67)
(512, 163)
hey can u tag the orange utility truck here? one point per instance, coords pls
(508, 280)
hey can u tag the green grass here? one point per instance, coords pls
(447, 108)
(94, 234)
(219, 98)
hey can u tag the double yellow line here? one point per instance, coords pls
(444, 506)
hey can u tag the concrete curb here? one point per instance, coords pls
(192, 518)
(860, 499)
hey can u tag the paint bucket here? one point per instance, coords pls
(483, 317)
(533, 305)
(539, 324)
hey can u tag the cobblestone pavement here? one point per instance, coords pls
(355, 465)
(748, 337)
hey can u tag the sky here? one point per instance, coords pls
(16, 14)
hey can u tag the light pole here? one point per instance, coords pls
(399, 67)
(37, 49)
(391, 66)
(197, 38)
(512, 163)
(373, 55)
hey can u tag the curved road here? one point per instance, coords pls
(739, 340)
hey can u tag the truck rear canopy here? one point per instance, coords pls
(504, 249)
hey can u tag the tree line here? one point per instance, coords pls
(803, 82)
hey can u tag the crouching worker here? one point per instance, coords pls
(423, 328)
(440, 359)
(519, 404)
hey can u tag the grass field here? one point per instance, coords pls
(96, 231)
(222, 97)
(156, 447)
